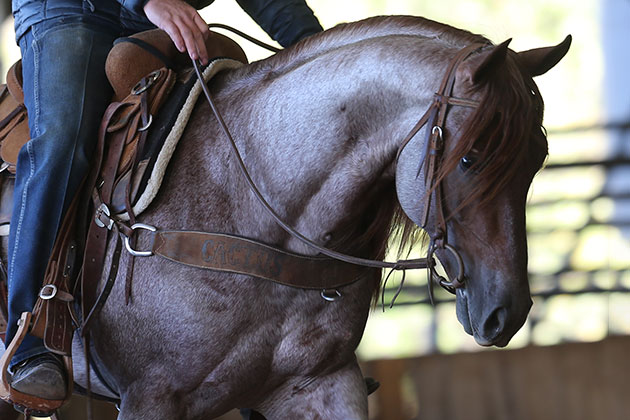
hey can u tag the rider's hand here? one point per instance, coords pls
(182, 23)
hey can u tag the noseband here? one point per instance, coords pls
(436, 114)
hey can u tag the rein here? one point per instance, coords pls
(437, 114)
(397, 265)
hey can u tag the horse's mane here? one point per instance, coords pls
(349, 33)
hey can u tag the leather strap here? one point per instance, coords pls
(51, 321)
(96, 244)
(229, 253)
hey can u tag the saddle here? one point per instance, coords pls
(144, 70)
(13, 118)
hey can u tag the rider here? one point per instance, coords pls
(64, 44)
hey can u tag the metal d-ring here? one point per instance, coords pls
(147, 125)
(331, 295)
(128, 244)
(438, 129)
(449, 285)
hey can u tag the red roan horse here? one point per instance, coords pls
(324, 129)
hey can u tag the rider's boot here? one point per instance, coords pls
(42, 376)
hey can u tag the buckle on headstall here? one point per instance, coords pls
(102, 217)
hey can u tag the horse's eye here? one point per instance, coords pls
(467, 161)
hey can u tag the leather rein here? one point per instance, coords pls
(437, 114)
(230, 253)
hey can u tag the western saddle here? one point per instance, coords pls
(143, 70)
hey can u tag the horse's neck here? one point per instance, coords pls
(321, 139)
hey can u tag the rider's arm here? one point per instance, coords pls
(286, 21)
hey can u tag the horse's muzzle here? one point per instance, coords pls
(494, 324)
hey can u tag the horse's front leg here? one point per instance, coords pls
(340, 395)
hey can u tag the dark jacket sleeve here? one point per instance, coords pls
(286, 21)
(136, 6)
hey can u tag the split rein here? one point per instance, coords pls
(436, 113)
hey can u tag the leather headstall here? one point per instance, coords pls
(436, 117)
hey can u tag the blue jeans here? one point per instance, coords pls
(66, 92)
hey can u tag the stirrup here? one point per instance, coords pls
(31, 404)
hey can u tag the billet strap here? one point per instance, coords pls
(113, 141)
(229, 253)
(96, 244)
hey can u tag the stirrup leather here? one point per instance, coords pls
(13, 396)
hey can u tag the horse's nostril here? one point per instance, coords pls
(495, 323)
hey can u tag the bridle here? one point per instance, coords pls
(435, 116)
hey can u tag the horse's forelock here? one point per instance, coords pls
(505, 129)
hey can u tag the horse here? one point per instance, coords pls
(387, 126)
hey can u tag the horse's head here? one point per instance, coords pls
(469, 189)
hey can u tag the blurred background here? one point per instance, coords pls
(569, 360)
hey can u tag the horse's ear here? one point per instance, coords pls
(539, 60)
(493, 61)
